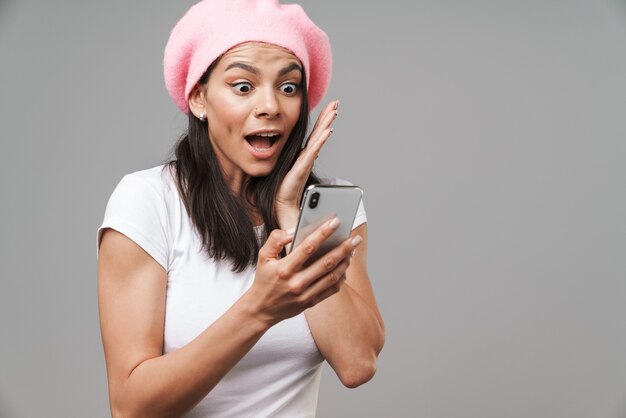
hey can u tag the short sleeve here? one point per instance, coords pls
(137, 209)
(360, 213)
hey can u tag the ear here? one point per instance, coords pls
(197, 102)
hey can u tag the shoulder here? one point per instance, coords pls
(156, 183)
(143, 193)
(158, 178)
(140, 208)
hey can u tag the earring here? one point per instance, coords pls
(202, 116)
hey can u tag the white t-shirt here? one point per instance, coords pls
(279, 376)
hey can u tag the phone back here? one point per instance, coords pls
(320, 204)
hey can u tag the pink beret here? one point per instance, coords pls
(212, 27)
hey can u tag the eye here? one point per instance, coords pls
(242, 87)
(289, 88)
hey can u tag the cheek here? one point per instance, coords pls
(292, 111)
(226, 115)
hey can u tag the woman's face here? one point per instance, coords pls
(252, 102)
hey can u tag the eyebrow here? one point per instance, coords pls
(256, 71)
(243, 66)
(289, 69)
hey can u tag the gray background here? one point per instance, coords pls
(489, 139)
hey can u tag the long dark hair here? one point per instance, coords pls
(219, 216)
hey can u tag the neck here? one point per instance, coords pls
(238, 185)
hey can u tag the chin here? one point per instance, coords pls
(261, 170)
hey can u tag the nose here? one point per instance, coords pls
(267, 105)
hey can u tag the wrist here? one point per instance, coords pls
(287, 219)
(253, 313)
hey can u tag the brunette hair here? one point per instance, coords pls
(220, 217)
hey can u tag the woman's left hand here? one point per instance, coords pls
(287, 203)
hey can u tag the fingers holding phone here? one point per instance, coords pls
(325, 275)
(284, 287)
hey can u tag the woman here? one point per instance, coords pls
(202, 312)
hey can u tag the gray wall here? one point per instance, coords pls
(489, 139)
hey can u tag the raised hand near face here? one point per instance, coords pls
(287, 203)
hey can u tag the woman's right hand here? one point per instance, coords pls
(284, 288)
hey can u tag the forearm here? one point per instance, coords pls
(172, 384)
(349, 334)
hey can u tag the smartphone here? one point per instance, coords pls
(320, 204)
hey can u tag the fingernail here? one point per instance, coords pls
(356, 241)
(334, 223)
(336, 104)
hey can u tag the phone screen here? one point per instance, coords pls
(320, 204)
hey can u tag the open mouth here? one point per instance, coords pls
(262, 141)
